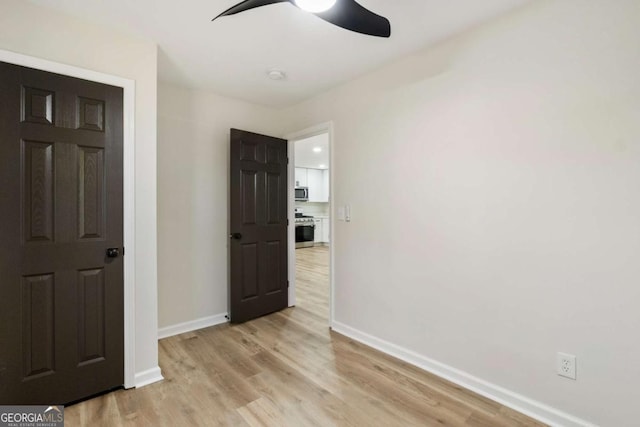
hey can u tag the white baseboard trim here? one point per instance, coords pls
(192, 325)
(148, 377)
(522, 404)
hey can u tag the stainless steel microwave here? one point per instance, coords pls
(302, 194)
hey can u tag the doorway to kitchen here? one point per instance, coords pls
(311, 228)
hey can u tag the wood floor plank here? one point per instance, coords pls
(290, 369)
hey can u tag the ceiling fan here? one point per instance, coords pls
(347, 14)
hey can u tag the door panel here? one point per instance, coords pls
(90, 192)
(37, 196)
(249, 254)
(62, 318)
(258, 248)
(91, 324)
(249, 197)
(274, 191)
(38, 105)
(273, 278)
(38, 333)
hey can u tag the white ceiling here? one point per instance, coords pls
(231, 56)
(306, 157)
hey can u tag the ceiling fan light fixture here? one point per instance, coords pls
(348, 14)
(315, 6)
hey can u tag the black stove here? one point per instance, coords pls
(305, 230)
(303, 219)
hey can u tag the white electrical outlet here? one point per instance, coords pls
(567, 365)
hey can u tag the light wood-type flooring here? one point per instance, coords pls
(288, 369)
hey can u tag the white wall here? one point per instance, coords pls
(193, 182)
(495, 192)
(47, 34)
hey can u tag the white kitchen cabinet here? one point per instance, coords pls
(325, 230)
(317, 181)
(314, 182)
(301, 177)
(318, 233)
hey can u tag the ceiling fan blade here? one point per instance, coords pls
(352, 16)
(247, 5)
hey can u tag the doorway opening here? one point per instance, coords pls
(310, 170)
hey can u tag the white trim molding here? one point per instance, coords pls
(291, 231)
(193, 325)
(532, 408)
(129, 93)
(147, 377)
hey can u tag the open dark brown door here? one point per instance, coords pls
(258, 212)
(61, 289)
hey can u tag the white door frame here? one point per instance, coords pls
(292, 138)
(129, 88)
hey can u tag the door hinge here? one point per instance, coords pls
(123, 251)
(287, 222)
(287, 160)
(287, 284)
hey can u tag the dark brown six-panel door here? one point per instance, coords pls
(259, 264)
(61, 297)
